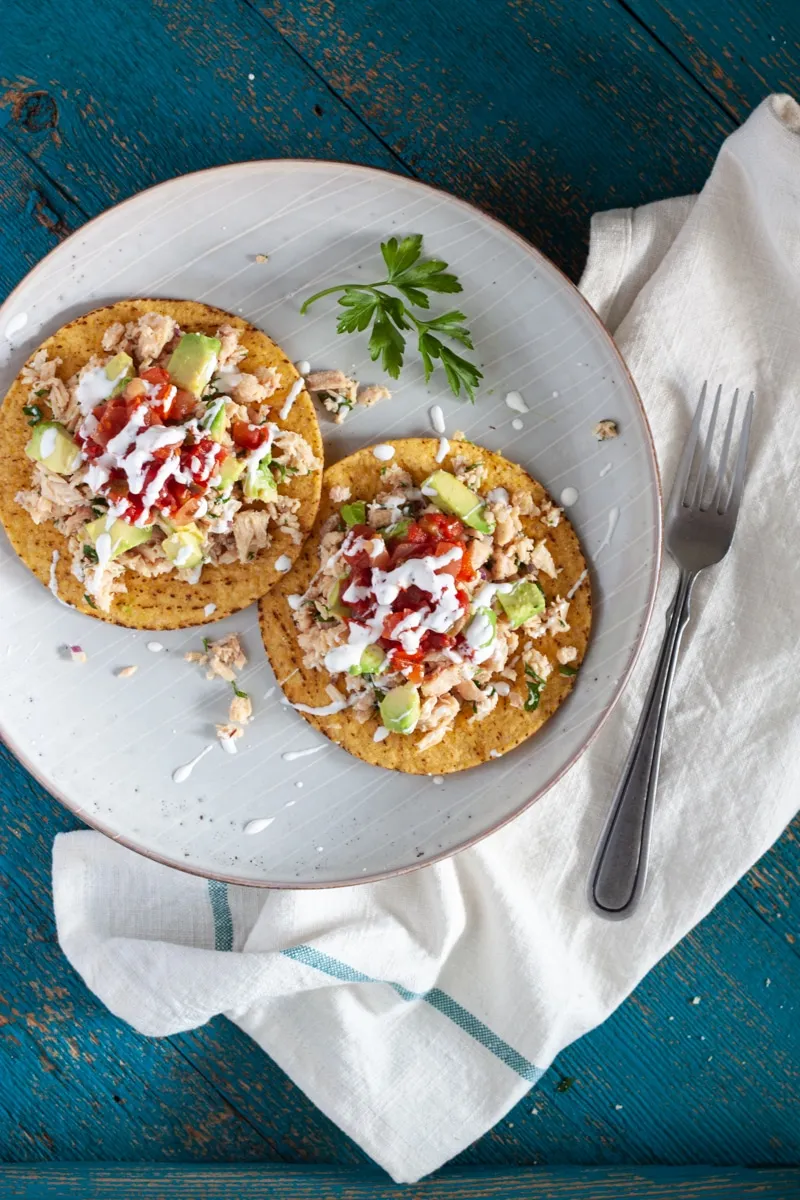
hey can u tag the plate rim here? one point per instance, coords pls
(542, 260)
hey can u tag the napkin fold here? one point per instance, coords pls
(415, 1012)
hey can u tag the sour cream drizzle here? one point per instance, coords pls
(294, 392)
(181, 774)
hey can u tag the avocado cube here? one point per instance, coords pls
(51, 445)
(260, 484)
(193, 362)
(123, 536)
(335, 604)
(372, 662)
(400, 709)
(525, 600)
(184, 547)
(454, 497)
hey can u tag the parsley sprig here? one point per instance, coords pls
(391, 317)
(535, 686)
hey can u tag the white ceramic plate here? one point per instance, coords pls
(107, 747)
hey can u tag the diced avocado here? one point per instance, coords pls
(398, 530)
(120, 367)
(372, 661)
(261, 485)
(231, 470)
(123, 535)
(399, 709)
(193, 362)
(51, 445)
(524, 601)
(354, 514)
(120, 364)
(334, 602)
(453, 496)
(484, 628)
(184, 547)
(219, 424)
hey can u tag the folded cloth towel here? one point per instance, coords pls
(417, 1011)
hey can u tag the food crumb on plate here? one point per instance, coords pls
(340, 393)
(77, 654)
(126, 672)
(605, 429)
(261, 258)
(695, 1000)
(223, 658)
(227, 735)
(241, 708)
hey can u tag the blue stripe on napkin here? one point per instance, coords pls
(444, 1004)
(438, 999)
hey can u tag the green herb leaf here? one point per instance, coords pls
(90, 553)
(368, 305)
(41, 392)
(567, 670)
(238, 692)
(89, 600)
(32, 412)
(535, 686)
(206, 644)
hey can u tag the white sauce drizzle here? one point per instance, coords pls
(291, 755)
(259, 825)
(181, 774)
(53, 583)
(93, 388)
(383, 452)
(284, 563)
(327, 711)
(303, 367)
(569, 496)
(502, 687)
(437, 419)
(155, 647)
(517, 424)
(443, 449)
(294, 602)
(577, 584)
(381, 734)
(613, 517)
(229, 744)
(294, 392)
(516, 403)
(209, 609)
(605, 470)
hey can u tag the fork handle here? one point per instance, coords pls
(620, 865)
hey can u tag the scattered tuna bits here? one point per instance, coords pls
(339, 394)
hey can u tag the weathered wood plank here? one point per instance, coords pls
(540, 111)
(739, 52)
(108, 1182)
(184, 101)
(34, 216)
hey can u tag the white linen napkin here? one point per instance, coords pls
(417, 1011)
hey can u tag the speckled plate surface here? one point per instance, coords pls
(107, 746)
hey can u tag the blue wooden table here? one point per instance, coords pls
(541, 112)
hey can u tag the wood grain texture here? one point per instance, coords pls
(542, 112)
(107, 1182)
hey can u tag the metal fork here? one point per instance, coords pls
(699, 532)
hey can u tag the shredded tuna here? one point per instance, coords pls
(295, 453)
(370, 395)
(227, 733)
(542, 559)
(438, 721)
(332, 381)
(230, 352)
(566, 654)
(537, 662)
(250, 533)
(339, 494)
(241, 709)
(153, 331)
(605, 429)
(50, 496)
(283, 511)
(248, 390)
(223, 658)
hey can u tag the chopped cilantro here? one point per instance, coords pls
(535, 686)
(89, 600)
(567, 670)
(238, 692)
(32, 412)
(41, 392)
(90, 553)
(206, 644)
